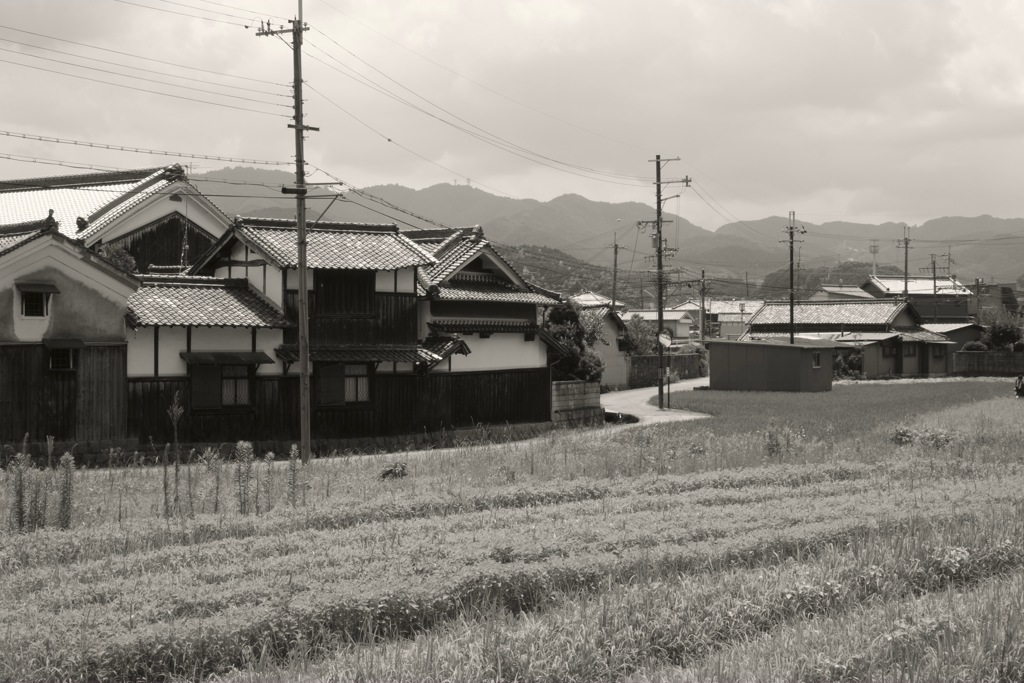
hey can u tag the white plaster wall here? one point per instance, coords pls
(156, 208)
(37, 262)
(269, 284)
(173, 342)
(498, 352)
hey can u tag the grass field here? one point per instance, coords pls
(872, 533)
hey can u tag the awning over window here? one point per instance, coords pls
(44, 287)
(63, 343)
(371, 354)
(226, 357)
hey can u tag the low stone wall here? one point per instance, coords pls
(643, 370)
(576, 402)
(988, 363)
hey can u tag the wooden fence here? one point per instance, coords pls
(988, 363)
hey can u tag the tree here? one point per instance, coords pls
(1003, 331)
(577, 332)
(119, 257)
(641, 335)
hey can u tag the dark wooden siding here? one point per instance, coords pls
(400, 404)
(160, 243)
(84, 404)
(102, 393)
(393, 322)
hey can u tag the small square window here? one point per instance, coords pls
(909, 349)
(35, 304)
(62, 359)
(938, 351)
(816, 359)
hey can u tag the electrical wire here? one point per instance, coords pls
(148, 59)
(153, 92)
(142, 78)
(138, 150)
(183, 14)
(136, 68)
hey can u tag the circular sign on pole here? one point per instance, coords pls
(665, 339)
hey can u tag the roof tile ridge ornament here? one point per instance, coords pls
(50, 223)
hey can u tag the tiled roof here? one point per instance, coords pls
(9, 241)
(920, 334)
(669, 315)
(444, 347)
(360, 354)
(353, 246)
(199, 301)
(469, 326)
(806, 342)
(96, 197)
(874, 312)
(488, 289)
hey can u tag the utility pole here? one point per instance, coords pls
(792, 229)
(874, 254)
(298, 27)
(615, 271)
(660, 252)
(905, 243)
(703, 289)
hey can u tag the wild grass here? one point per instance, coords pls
(503, 550)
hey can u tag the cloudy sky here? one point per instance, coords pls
(859, 110)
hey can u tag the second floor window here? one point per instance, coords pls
(35, 299)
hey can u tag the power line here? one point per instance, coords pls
(153, 92)
(140, 78)
(135, 56)
(127, 66)
(123, 148)
(183, 14)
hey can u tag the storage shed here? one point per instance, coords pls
(771, 365)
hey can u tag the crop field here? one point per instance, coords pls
(874, 533)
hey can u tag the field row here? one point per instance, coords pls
(209, 607)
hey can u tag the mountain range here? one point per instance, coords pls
(585, 230)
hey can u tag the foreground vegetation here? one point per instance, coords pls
(647, 553)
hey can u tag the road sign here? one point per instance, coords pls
(665, 339)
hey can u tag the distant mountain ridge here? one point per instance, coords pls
(983, 246)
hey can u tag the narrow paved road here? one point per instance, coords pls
(637, 402)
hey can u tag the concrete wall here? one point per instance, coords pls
(995, 363)
(643, 370)
(576, 401)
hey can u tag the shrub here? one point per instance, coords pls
(974, 346)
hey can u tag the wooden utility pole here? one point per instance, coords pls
(298, 27)
(660, 253)
(792, 229)
(905, 243)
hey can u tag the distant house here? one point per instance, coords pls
(771, 364)
(680, 324)
(614, 352)
(840, 293)
(937, 300)
(724, 318)
(888, 331)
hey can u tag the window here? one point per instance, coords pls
(338, 384)
(35, 304)
(220, 386)
(938, 350)
(62, 359)
(816, 359)
(35, 298)
(909, 349)
(888, 351)
(234, 385)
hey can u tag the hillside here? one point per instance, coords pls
(583, 229)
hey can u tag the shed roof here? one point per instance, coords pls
(383, 353)
(487, 288)
(176, 300)
(893, 284)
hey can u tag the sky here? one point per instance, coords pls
(853, 110)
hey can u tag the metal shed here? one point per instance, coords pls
(772, 365)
